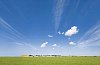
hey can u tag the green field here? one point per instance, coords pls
(49, 60)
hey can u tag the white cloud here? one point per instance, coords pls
(50, 36)
(59, 32)
(54, 45)
(44, 44)
(72, 43)
(72, 31)
(62, 33)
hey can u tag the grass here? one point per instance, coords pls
(49, 60)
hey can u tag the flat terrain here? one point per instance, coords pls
(49, 60)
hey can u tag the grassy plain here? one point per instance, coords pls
(50, 60)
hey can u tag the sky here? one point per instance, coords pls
(62, 27)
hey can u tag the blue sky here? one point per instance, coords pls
(66, 27)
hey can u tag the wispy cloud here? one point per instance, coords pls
(30, 46)
(58, 11)
(50, 36)
(26, 45)
(91, 37)
(72, 31)
(44, 44)
(19, 43)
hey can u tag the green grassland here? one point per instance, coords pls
(50, 60)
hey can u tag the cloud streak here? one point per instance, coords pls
(10, 30)
(13, 34)
(58, 11)
(77, 3)
(91, 37)
(17, 43)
